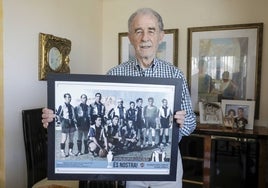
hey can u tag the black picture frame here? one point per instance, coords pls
(131, 165)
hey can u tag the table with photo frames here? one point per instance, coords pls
(216, 141)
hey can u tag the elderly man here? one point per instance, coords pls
(145, 32)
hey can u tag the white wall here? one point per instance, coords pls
(183, 14)
(79, 21)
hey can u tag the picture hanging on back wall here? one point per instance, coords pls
(53, 55)
(224, 62)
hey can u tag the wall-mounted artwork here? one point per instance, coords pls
(224, 62)
(53, 55)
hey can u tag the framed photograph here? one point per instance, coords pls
(224, 62)
(53, 55)
(210, 113)
(110, 127)
(242, 113)
(167, 50)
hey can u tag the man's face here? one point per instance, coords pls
(240, 112)
(132, 105)
(98, 122)
(115, 120)
(84, 99)
(98, 97)
(150, 102)
(120, 103)
(145, 36)
(130, 123)
(164, 103)
(68, 99)
(139, 103)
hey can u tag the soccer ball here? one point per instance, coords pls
(103, 153)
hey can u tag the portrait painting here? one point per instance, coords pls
(224, 63)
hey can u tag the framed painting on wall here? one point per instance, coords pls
(53, 55)
(224, 62)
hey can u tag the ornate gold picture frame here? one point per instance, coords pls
(53, 55)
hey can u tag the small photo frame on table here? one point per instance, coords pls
(224, 62)
(241, 112)
(167, 50)
(152, 162)
(210, 113)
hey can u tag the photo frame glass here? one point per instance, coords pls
(224, 62)
(134, 152)
(167, 50)
(210, 113)
(242, 113)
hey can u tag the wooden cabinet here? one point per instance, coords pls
(195, 151)
(234, 162)
(193, 160)
(217, 157)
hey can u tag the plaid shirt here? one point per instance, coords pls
(162, 69)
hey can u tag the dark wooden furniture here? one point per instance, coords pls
(35, 140)
(211, 145)
(101, 184)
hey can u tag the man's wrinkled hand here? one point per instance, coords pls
(47, 116)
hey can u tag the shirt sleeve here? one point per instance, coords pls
(58, 113)
(91, 132)
(190, 118)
